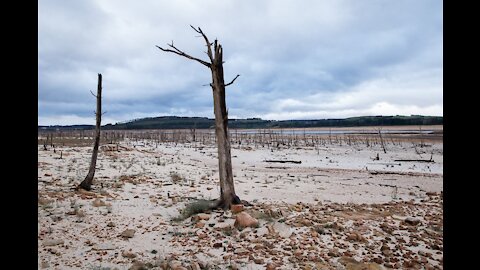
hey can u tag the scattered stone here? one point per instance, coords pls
(200, 224)
(137, 265)
(241, 251)
(195, 266)
(79, 213)
(44, 201)
(282, 229)
(104, 246)
(236, 208)
(334, 253)
(355, 236)
(56, 218)
(98, 202)
(271, 266)
(176, 265)
(217, 245)
(128, 254)
(128, 233)
(258, 261)
(322, 266)
(352, 264)
(244, 220)
(412, 221)
(223, 226)
(306, 222)
(45, 265)
(111, 224)
(203, 264)
(201, 216)
(52, 242)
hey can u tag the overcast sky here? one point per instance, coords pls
(296, 59)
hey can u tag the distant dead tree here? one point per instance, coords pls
(379, 130)
(227, 189)
(87, 182)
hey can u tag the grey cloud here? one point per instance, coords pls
(296, 59)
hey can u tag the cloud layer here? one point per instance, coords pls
(297, 59)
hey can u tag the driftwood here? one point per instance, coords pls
(417, 160)
(283, 161)
(385, 163)
(414, 160)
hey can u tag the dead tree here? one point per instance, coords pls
(381, 140)
(215, 54)
(87, 182)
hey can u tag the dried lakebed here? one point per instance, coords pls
(339, 208)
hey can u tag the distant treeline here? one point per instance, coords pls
(175, 122)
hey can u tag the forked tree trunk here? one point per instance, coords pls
(227, 188)
(87, 182)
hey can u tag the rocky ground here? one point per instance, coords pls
(341, 208)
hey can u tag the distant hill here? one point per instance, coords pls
(176, 122)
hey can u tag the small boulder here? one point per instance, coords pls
(98, 202)
(52, 242)
(200, 224)
(258, 261)
(236, 208)
(243, 219)
(271, 266)
(412, 221)
(128, 233)
(241, 251)
(201, 216)
(128, 254)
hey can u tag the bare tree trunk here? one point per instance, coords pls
(381, 140)
(87, 182)
(227, 189)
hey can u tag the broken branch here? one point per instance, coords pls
(232, 80)
(415, 160)
(181, 53)
(284, 161)
(209, 53)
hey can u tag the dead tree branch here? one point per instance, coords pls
(209, 44)
(232, 80)
(284, 161)
(181, 53)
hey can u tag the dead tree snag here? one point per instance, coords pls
(87, 182)
(215, 54)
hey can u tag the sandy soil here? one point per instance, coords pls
(340, 208)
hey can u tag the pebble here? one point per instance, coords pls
(412, 221)
(236, 208)
(128, 233)
(128, 254)
(52, 242)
